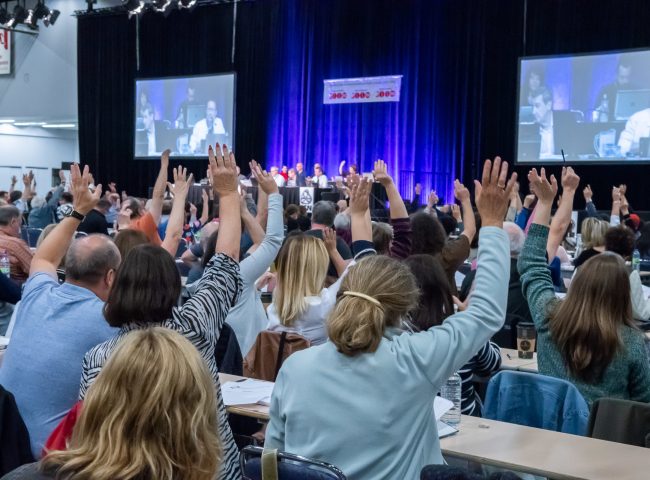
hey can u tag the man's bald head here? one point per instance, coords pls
(90, 258)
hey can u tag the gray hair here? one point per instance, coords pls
(7, 214)
(323, 213)
(516, 237)
(38, 202)
(342, 221)
(89, 258)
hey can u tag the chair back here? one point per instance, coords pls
(269, 352)
(536, 401)
(15, 448)
(622, 421)
(289, 467)
(449, 472)
(30, 235)
(227, 352)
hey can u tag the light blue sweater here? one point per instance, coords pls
(372, 415)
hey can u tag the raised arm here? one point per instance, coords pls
(361, 225)
(224, 181)
(590, 207)
(205, 209)
(401, 245)
(615, 215)
(562, 218)
(469, 222)
(442, 350)
(174, 230)
(28, 192)
(536, 281)
(329, 237)
(49, 255)
(158, 194)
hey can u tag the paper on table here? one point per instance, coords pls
(441, 406)
(445, 430)
(246, 392)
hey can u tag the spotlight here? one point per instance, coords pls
(133, 6)
(20, 14)
(4, 16)
(186, 3)
(161, 6)
(31, 20)
(50, 19)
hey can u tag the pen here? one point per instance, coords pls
(242, 380)
(507, 355)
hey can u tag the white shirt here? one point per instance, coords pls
(320, 182)
(547, 145)
(640, 302)
(151, 141)
(637, 127)
(200, 132)
(279, 180)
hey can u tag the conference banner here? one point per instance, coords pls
(362, 90)
(5, 52)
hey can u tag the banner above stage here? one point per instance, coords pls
(362, 90)
(5, 52)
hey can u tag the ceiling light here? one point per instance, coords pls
(50, 19)
(29, 124)
(7, 120)
(31, 20)
(133, 6)
(19, 16)
(186, 3)
(161, 5)
(59, 125)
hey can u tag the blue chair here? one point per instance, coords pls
(290, 467)
(182, 248)
(30, 235)
(536, 401)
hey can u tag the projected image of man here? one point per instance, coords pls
(211, 124)
(542, 104)
(636, 128)
(606, 99)
(153, 131)
(181, 117)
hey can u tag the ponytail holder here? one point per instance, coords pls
(370, 299)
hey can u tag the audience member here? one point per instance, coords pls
(43, 212)
(56, 324)
(386, 368)
(19, 253)
(277, 177)
(322, 217)
(588, 338)
(95, 221)
(147, 287)
(593, 239)
(150, 414)
(128, 239)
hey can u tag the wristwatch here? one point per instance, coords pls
(77, 215)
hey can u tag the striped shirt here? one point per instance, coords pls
(484, 363)
(20, 256)
(200, 320)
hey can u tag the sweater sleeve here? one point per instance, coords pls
(253, 266)
(488, 359)
(590, 208)
(401, 246)
(639, 381)
(274, 437)
(536, 281)
(442, 350)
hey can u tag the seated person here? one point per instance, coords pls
(593, 239)
(20, 255)
(150, 142)
(589, 337)
(150, 414)
(56, 324)
(636, 128)
(394, 375)
(210, 125)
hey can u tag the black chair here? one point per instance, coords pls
(622, 421)
(227, 352)
(15, 449)
(290, 467)
(446, 472)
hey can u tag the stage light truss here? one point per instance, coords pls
(27, 13)
(138, 7)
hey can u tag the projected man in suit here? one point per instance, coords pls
(543, 112)
(211, 124)
(150, 141)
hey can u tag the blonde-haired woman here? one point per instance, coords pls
(364, 399)
(151, 414)
(301, 304)
(592, 232)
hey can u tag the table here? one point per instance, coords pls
(533, 450)
(510, 361)
(545, 453)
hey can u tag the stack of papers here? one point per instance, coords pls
(440, 407)
(246, 392)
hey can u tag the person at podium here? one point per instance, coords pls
(210, 125)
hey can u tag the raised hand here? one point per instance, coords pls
(543, 189)
(164, 159)
(360, 197)
(205, 198)
(329, 237)
(14, 180)
(112, 187)
(223, 170)
(418, 189)
(455, 212)
(616, 194)
(83, 200)
(587, 193)
(264, 179)
(62, 177)
(529, 200)
(432, 199)
(182, 183)
(623, 189)
(570, 180)
(381, 173)
(461, 192)
(493, 193)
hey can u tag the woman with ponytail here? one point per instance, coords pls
(364, 400)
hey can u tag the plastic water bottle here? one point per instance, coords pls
(451, 391)
(636, 260)
(5, 264)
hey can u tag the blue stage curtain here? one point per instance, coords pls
(427, 136)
